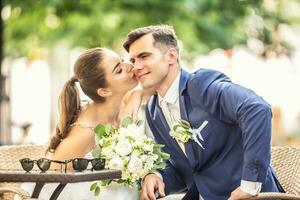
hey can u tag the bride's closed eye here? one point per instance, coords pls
(119, 70)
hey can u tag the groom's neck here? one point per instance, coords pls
(164, 86)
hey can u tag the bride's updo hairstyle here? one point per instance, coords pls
(90, 76)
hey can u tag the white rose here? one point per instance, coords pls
(123, 147)
(107, 151)
(137, 132)
(130, 130)
(143, 173)
(155, 157)
(148, 147)
(115, 163)
(144, 158)
(135, 165)
(149, 164)
(125, 174)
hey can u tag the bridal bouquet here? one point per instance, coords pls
(128, 149)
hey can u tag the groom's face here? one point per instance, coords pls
(150, 62)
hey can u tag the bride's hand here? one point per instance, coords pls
(131, 104)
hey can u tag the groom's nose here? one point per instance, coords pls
(137, 66)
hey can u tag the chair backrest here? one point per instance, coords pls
(286, 163)
(11, 154)
(9, 159)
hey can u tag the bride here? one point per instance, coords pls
(105, 79)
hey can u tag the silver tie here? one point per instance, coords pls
(168, 116)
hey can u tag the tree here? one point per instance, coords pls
(202, 25)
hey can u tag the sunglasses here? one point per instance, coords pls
(79, 164)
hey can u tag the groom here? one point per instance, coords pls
(228, 154)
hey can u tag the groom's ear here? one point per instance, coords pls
(172, 55)
(104, 92)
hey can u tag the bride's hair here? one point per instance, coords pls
(90, 76)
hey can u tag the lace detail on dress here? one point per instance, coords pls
(82, 125)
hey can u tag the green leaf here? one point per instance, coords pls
(108, 128)
(105, 182)
(93, 186)
(185, 124)
(159, 145)
(127, 121)
(139, 122)
(97, 191)
(157, 148)
(164, 155)
(96, 152)
(100, 130)
(176, 126)
(161, 165)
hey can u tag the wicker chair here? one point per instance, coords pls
(286, 163)
(10, 156)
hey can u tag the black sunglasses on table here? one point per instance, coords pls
(78, 164)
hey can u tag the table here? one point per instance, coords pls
(40, 178)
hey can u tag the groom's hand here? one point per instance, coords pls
(238, 194)
(152, 183)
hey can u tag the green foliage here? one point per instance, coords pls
(139, 122)
(96, 152)
(100, 130)
(93, 186)
(127, 121)
(202, 25)
(96, 188)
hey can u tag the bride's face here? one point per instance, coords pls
(118, 73)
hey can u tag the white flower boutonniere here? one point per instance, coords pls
(182, 131)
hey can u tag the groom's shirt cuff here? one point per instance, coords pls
(251, 187)
(153, 172)
(158, 174)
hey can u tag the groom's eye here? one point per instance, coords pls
(132, 61)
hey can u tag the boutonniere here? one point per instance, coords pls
(182, 131)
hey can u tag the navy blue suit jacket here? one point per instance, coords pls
(236, 138)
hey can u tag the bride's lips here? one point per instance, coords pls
(132, 76)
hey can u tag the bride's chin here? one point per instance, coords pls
(132, 86)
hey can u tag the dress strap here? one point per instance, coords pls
(83, 125)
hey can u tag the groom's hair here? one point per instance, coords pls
(162, 35)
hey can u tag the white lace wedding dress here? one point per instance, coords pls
(81, 191)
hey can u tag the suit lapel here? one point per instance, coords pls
(183, 104)
(182, 87)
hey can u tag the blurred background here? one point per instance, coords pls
(255, 42)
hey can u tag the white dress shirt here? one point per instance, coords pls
(170, 106)
(172, 112)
